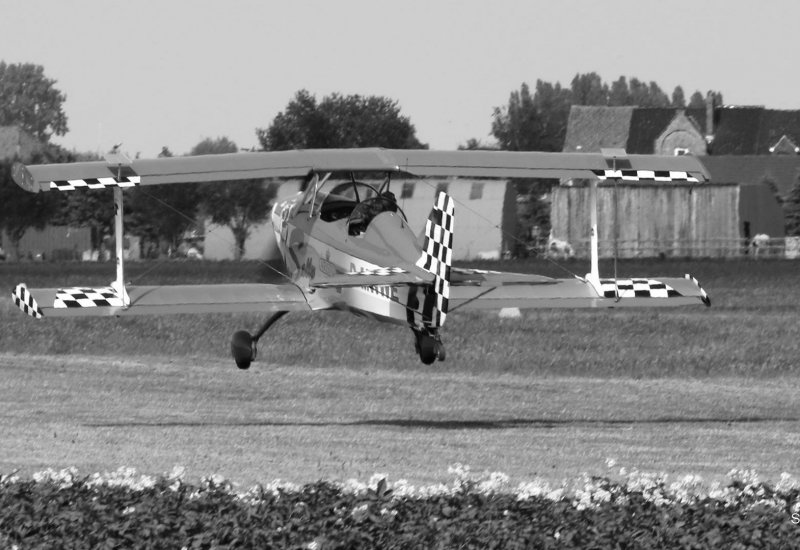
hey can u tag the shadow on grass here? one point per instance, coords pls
(409, 423)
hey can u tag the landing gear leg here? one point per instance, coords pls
(429, 346)
(243, 344)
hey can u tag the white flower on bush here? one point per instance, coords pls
(123, 477)
(9, 479)
(539, 488)
(496, 482)
(744, 490)
(649, 484)
(461, 474)
(176, 476)
(592, 494)
(354, 487)
(485, 483)
(427, 491)
(64, 478)
(786, 483)
(401, 488)
(726, 495)
(688, 490)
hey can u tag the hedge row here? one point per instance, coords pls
(123, 509)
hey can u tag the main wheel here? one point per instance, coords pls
(243, 349)
(427, 347)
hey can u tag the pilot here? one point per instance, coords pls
(366, 210)
(389, 201)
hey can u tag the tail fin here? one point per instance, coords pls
(437, 257)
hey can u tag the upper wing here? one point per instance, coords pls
(144, 300)
(509, 290)
(293, 164)
(534, 164)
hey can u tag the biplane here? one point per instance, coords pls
(347, 244)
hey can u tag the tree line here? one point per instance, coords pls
(532, 120)
(538, 121)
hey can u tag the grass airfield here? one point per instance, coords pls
(553, 394)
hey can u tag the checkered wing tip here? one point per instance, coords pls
(26, 302)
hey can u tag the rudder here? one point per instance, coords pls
(437, 258)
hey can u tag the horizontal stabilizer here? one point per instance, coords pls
(379, 276)
(158, 300)
(479, 277)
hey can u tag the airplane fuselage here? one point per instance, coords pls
(313, 248)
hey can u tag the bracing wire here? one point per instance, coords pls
(190, 218)
(503, 231)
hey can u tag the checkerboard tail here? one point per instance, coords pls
(437, 258)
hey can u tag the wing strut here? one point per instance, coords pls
(119, 284)
(617, 159)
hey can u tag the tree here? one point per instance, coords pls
(21, 210)
(589, 89)
(535, 122)
(161, 214)
(339, 121)
(678, 98)
(791, 208)
(30, 100)
(474, 144)
(238, 205)
(697, 101)
(646, 95)
(619, 94)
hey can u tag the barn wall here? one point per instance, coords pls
(675, 220)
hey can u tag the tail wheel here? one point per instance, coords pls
(243, 349)
(441, 354)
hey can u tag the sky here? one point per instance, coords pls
(154, 73)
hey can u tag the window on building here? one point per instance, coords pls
(442, 186)
(476, 192)
(680, 151)
(408, 190)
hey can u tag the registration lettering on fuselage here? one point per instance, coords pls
(387, 291)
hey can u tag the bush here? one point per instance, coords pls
(61, 509)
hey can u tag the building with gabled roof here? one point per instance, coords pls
(750, 148)
(717, 130)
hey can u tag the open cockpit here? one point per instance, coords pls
(355, 201)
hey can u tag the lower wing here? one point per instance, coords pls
(502, 290)
(154, 300)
